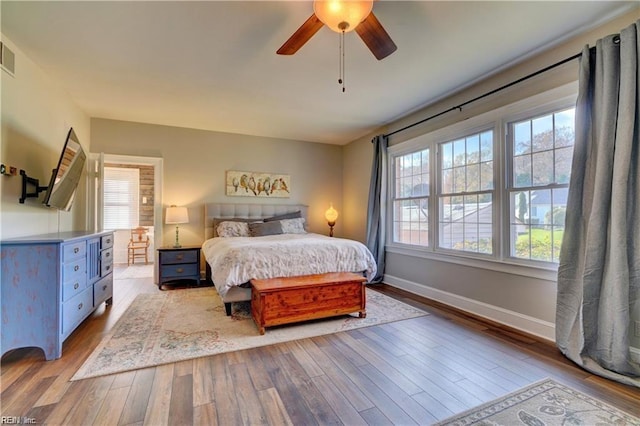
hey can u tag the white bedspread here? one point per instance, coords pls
(237, 260)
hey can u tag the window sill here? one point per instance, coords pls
(549, 273)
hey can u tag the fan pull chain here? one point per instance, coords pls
(342, 49)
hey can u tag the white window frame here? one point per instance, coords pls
(526, 115)
(131, 175)
(473, 130)
(498, 119)
(394, 197)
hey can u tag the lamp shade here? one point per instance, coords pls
(331, 214)
(176, 215)
(342, 15)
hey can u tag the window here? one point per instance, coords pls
(497, 190)
(541, 151)
(466, 194)
(411, 198)
(121, 198)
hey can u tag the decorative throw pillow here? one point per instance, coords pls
(293, 226)
(260, 229)
(233, 229)
(217, 221)
(293, 215)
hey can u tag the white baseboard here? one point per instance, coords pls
(516, 320)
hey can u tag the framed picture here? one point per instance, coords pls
(257, 184)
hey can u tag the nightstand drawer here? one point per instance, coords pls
(182, 256)
(177, 271)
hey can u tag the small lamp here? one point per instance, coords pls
(176, 215)
(331, 215)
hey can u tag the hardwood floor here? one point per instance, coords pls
(415, 371)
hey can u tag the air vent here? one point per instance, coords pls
(7, 59)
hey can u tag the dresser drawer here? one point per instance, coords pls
(183, 256)
(106, 256)
(76, 270)
(73, 250)
(106, 268)
(179, 271)
(102, 290)
(74, 286)
(106, 241)
(76, 309)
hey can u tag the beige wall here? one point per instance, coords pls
(526, 302)
(195, 162)
(36, 117)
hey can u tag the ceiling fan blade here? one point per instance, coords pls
(301, 36)
(375, 37)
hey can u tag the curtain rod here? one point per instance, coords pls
(459, 107)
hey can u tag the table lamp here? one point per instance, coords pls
(331, 215)
(176, 215)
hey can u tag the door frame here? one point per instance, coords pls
(96, 194)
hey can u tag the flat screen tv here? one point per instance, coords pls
(66, 176)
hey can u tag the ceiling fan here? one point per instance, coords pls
(343, 16)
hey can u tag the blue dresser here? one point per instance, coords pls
(50, 284)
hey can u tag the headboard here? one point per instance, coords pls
(246, 211)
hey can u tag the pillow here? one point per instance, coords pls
(232, 229)
(293, 215)
(217, 221)
(293, 226)
(260, 229)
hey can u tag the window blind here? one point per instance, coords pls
(121, 201)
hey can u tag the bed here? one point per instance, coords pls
(231, 261)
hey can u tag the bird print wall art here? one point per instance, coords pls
(257, 184)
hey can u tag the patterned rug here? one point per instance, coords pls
(543, 403)
(183, 324)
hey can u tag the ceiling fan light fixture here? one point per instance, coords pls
(342, 15)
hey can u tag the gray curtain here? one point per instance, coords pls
(376, 207)
(599, 271)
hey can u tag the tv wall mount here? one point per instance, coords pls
(28, 182)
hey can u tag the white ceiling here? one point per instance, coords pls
(212, 65)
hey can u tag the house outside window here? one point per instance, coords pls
(497, 191)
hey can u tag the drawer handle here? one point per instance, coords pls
(104, 288)
(80, 306)
(108, 254)
(108, 267)
(76, 268)
(108, 240)
(179, 270)
(76, 250)
(179, 257)
(76, 285)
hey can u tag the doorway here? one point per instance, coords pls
(126, 193)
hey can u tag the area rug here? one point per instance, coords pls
(176, 325)
(543, 403)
